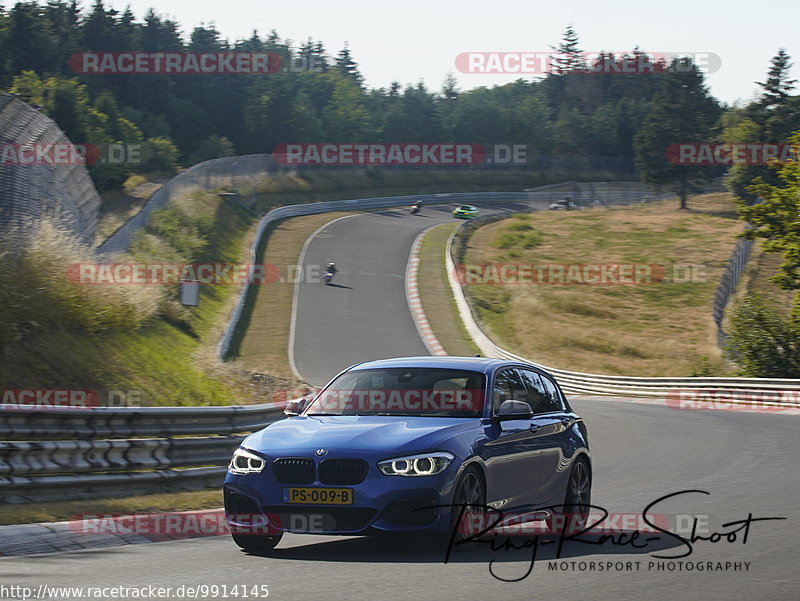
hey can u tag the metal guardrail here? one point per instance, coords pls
(64, 453)
(112, 422)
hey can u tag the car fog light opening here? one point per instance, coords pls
(428, 464)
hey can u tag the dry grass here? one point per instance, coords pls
(37, 292)
(658, 329)
(120, 205)
(56, 511)
(437, 300)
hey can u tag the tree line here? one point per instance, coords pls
(183, 119)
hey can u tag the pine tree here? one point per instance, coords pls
(777, 85)
(321, 58)
(568, 58)
(450, 87)
(681, 112)
(348, 67)
(98, 30)
(29, 41)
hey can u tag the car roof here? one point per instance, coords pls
(481, 364)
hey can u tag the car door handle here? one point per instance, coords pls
(534, 428)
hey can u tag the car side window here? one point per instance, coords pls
(539, 395)
(508, 386)
(553, 395)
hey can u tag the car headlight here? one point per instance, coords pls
(245, 462)
(427, 464)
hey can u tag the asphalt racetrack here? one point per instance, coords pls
(641, 452)
(746, 462)
(364, 314)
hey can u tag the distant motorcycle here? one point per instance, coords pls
(415, 209)
(327, 278)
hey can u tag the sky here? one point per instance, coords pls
(409, 40)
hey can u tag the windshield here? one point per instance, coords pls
(405, 391)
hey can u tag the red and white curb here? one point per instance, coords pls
(415, 302)
(110, 530)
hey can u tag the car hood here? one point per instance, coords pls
(357, 433)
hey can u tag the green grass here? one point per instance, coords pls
(57, 511)
(122, 338)
(437, 300)
(139, 338)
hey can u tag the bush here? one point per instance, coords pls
(159, 154)
(764, 341)
(213, 147)
(505, 240)
(519, 227)
(510, 237)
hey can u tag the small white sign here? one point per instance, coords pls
(190, 293)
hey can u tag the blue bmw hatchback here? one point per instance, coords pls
(411, 444)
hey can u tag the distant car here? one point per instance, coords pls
(394, 445)
(564, 204)
(465, 212)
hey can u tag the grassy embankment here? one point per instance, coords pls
(138, 338)
(656, 329)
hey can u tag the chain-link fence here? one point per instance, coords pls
(37, 187)
(611, 193)
(727, 285)
(231, 173)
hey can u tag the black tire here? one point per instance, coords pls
(472, 493)
(257, 544)
(578, 500)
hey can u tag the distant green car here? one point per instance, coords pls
(465, 212)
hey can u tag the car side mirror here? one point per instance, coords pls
(514, 410)
(296, 406)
